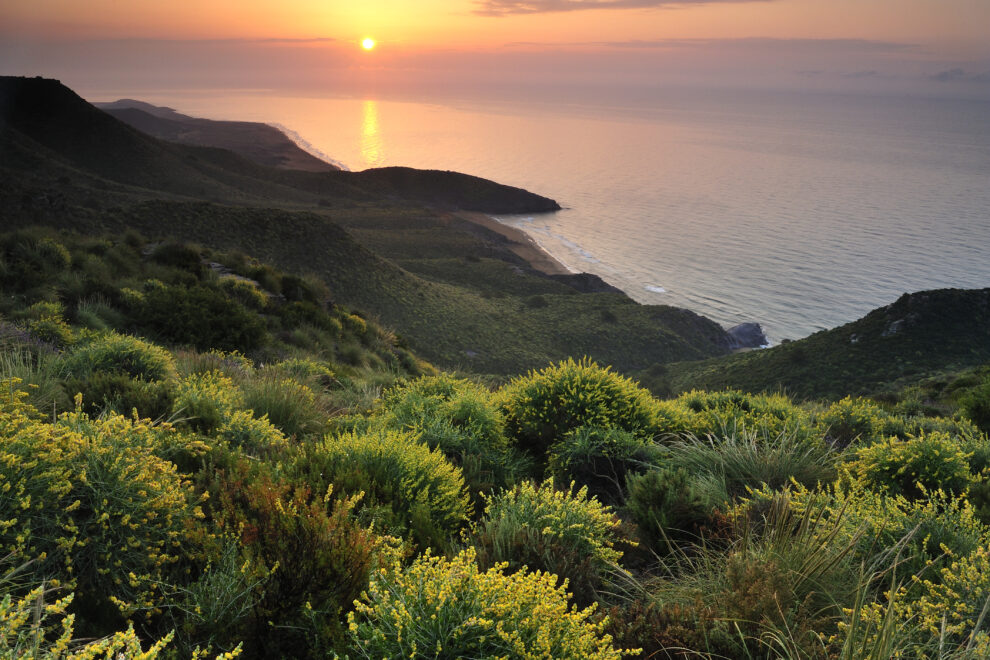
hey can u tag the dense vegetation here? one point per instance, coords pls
(202, 455)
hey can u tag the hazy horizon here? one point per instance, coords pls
(503, 47)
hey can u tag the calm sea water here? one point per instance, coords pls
(801, 212)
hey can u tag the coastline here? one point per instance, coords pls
(519, 243)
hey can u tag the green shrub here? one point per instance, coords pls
(560, 532)
(94, 505)
(177, 255)
(913, 468)
(601, 459)
(449, 609)
(120, 393)
(542, 407)
(975, 405)
(253, 435)
(469, 408)
(669, 506)
(408, 488)
(462, 420)
(122, 354)
(245, 292)
(857, 420)
(232, 364)
(307, 370)
(200, 316)
(206, 401)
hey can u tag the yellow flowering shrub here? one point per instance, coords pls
(857, 420)
(92, 503)
(30, 628)
(408, 488)
(440, 608)
(543, 406)
(559, 531)
(205, 401)
(913, 467)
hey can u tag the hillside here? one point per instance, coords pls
(385, 240)
(916, 335)
(260, 143)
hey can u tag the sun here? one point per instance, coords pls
(367, 43)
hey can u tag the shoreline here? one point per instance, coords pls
(519, 243)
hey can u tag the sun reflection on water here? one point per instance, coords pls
(371, 140)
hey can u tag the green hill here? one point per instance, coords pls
(383, 240)
(916, 335)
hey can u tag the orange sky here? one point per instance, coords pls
(885, 39)
(949, 24)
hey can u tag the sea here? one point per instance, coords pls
(799, 211)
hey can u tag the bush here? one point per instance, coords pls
(462, 420)
(560, 532)
(913, 468)
(601, 459)
(975, 405)
(120, 354)
(200, 316)
(254, 436)
(315, 555)
(856, 420)
(542, 407)
(94, 505)
(668, 506)
(408, 488)
(205, 401)
(118, 392)
(449, 609)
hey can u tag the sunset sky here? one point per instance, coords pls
(928, 45)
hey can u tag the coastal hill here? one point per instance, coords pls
(916, 335)
(394, 242)
(261, 143)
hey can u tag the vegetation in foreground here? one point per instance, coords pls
(299, 484)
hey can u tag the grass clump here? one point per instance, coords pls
(448, 608)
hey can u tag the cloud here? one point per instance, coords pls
(958, 74)
(767, 44)
(507, 7)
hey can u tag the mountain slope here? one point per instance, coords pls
(917, 334)
(260, 143)
(455, 291)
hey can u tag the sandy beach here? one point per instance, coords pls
(519, 242)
